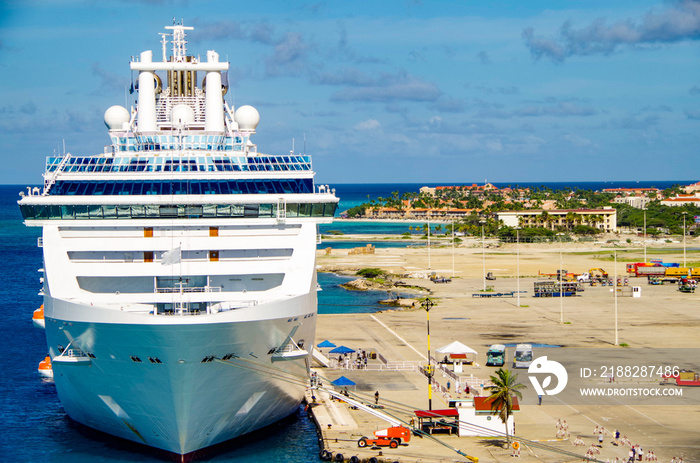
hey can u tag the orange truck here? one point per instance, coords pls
(392, 437)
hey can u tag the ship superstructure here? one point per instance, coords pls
(179, 265)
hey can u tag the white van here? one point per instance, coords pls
(523, 356)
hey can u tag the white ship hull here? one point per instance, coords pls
(182, 404)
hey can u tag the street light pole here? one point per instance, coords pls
(615, 290)
(483, 250)
(517, 271)
(427, 305)
(428, 244)
(561, 288)
(684, 263)
(453, 248)
(645, 234)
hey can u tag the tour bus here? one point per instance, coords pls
(496, 356)
(523, 356)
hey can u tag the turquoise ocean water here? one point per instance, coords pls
(34, 427)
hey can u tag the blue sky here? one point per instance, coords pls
(383, 91)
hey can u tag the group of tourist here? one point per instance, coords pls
(636, 453)
(359, 363)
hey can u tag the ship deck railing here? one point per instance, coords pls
(74, 353)
(177, 161)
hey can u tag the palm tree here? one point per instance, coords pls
(505, 387)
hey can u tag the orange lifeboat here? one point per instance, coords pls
(45, 368)
(38, 317)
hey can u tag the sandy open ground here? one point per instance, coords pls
(662, 317)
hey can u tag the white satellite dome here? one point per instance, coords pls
(181, 114)
(247, 117)
(116, 116)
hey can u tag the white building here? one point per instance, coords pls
(604, 219)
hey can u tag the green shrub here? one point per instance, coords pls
(370, 272)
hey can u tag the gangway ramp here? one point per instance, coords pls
(321, 359)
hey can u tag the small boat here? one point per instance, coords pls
(38, 317)
(45, 368)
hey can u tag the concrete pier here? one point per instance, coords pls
(662, 317)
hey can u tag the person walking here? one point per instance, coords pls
(376, 398)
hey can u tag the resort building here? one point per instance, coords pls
(604, 219)
(692, 188)
(480, 191)
(633, 191)
(639, 202)
(421, 213)
(682, 200)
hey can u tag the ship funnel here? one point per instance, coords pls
(147, 97)
(214, 101)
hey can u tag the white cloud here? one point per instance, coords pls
(577, 140)
(369, 124)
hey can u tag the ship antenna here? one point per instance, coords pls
(164, 42)
(179, 42)
(304, 143)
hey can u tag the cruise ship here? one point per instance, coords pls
(179, 264)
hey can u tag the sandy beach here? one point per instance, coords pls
(662, 317)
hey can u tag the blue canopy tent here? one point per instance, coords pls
(326, 343)
(342, 350)
(343, 381)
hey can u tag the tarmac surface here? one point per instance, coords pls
(662, 318)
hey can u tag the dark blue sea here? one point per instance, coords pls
(33, 426)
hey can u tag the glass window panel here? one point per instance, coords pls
(251, 210)
(95, 211)
(317, 210)
(209, 210)
(237, 210)
(292, 210)
(168, 211)
(138, 212)
(109, 211)
(194, 211)
(68, 212)
(41, 212)
(81, 212)
(27, 211)
(265, 210)
(124, 212)
(304, 210)
(152, 211)
(223, 210)
(329, 210)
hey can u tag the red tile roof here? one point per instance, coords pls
(484, 404)
(437, 413)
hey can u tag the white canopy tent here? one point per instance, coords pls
(456, 348)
